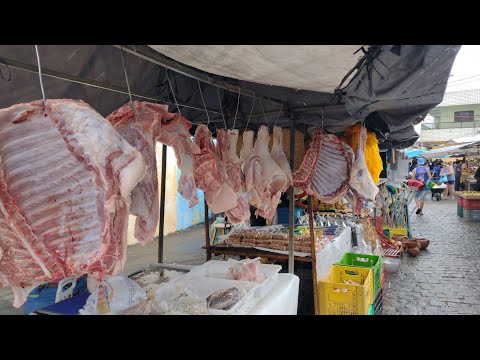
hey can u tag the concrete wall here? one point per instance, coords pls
(178, 215)
(445, 134)
(444, 116)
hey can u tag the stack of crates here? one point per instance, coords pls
(339, 293)
(365, 261)
(468, 208)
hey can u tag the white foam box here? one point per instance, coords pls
(203, 287)
(220, 270)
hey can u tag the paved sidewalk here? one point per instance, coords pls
(445, 278)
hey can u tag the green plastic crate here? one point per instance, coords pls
(366, 261)
(460, 210)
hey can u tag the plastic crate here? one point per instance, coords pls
(366, 261)
(391, 232)
(383, 285)
(378, 303)
(471, 204)
(371, 310)
(471, 214)
(338, 298)
(460, 210)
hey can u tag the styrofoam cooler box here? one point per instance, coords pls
(220, 270)
(203, 287)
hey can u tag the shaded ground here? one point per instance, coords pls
(445, 278)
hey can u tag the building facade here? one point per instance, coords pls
(457, 116)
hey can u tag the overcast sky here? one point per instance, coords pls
(465, 74)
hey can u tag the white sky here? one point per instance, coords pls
(465, 74)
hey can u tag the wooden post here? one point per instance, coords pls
(207, 229)
(162, 203)
(314, 254)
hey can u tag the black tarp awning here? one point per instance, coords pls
(393, 87)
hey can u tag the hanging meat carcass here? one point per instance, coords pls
(142, 128)
(279, 155)
(264, 179)
(361, 182)
(236, 179)
(65, 181)
(325, 169)
(219, 195)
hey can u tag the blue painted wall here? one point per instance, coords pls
(186, 216)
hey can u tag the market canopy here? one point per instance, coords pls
(388, 87)
(448, 150)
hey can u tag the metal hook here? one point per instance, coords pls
(221, 108)
(40, 76)
(203, 101)
(265, 116)
(236, 111)
(128, 85)
(251, 110)
(171, 89)
(278, 115)
(322, 117)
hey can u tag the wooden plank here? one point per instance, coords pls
(207, 235)
(253, 253)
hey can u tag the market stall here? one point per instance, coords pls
(118, 153)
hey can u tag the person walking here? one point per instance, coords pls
(458, 174)
(449, 172)
(421, 173)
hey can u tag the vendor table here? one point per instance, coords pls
(282, 299)
(329, 255)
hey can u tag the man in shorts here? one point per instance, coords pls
(421, 173)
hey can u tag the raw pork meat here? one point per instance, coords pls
(154, 123)
(65, 181)
(236, 180)
(361, 182)
(219, 196)
(279, 156)
(325, 169)
(263, 177)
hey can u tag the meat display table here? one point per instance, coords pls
(282, 299)
(329, 255)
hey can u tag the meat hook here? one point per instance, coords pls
(203, 101)
(128, 85)
(40, 76)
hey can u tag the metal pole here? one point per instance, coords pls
(314, 254)
(292, 200)
(207, 235)
(162, 204)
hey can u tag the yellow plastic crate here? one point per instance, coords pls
(338, 298)
(391, 232)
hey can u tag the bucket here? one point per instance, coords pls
(430, 184)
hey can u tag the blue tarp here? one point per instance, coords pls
(415, 152)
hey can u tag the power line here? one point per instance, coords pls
(464, 78)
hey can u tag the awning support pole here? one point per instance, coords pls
(314, 254)
(207, 234)
(292, 199)
(162, 204)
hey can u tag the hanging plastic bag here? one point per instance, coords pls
(113, 296)
(443, 179)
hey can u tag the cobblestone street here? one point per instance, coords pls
(444, 278)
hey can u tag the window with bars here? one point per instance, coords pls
(463, 116)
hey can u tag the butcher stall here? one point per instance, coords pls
(245, 132)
